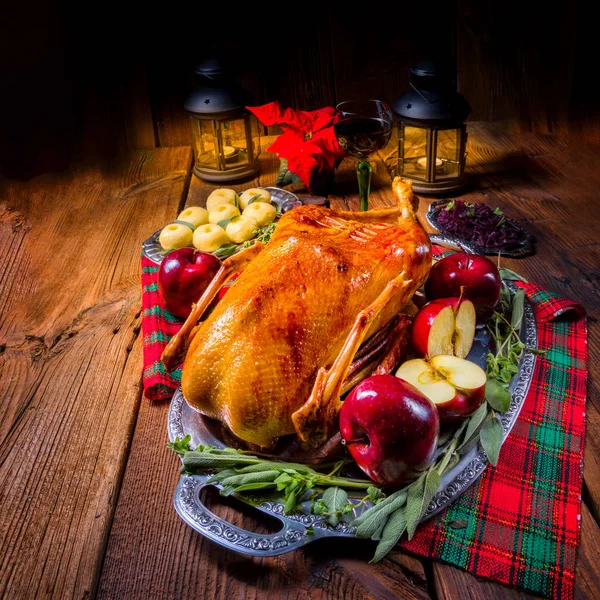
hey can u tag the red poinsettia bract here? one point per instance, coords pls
(308, 141)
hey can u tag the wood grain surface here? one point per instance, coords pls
(86, 483)
(70, 362)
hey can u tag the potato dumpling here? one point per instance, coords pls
(265, 196)
(241, 229)
(209, 237)
(223, 211)
(220, 196)
(175, 235)
(196, 215)
(261, 212)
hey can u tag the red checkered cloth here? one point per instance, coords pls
(522, 516)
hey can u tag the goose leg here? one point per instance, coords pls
(315, 419)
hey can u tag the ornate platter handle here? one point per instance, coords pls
(194, 512)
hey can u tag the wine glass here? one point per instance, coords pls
(363, 128)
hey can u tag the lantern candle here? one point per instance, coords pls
(422, 163)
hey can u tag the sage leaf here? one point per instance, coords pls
(491, 438)
(508, 275)
(446, 436)
(224, 222)
(218, 477)
(259, 467)
(473, 428)
(255, 486)
(335, 499)
(245, 478)
(205, 460)
(458, 524)
(381, 507)
(372, 520)
(518, 306)
(497, 395)
(390, 535)
(185, 223)
(254, 199)
(419, 496)
(236, 201)
(225, 250)
(454, 460)
(290, 503)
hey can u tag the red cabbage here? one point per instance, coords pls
(478, 223)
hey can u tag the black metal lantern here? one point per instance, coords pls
(225, 134)
(431, 131)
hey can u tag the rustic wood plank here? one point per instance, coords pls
(70, 362)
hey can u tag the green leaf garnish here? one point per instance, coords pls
(185, 223)
(225, 250)
(508, 275)
(491, 438)
(254, 198)
(497, 395)
(180, 446)
(224, 222)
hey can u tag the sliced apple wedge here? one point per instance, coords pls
(456, 386)
(444, 326)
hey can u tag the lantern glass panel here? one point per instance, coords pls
(235, 143)
(414, 164)
(448, 154)
(204, 143)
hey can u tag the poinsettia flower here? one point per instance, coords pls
(308, 141)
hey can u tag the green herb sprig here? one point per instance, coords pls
(238, 471)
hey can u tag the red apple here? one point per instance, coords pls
(183, 276)
(390, 429)
(476, 273)
(444, 326)
(456, 386)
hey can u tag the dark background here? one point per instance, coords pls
(87, 82)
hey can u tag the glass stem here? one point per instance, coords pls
(363, 172)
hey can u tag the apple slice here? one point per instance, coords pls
(444, 326)
(456, 386)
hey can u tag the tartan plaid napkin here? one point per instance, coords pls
(523, 516)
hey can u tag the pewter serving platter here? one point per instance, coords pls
(184, 420)
(523, 248)
(283, 200)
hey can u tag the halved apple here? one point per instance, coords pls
(444, 326)
(456, 386)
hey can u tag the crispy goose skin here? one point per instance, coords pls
(253, 363)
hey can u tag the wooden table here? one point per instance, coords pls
(86, 483)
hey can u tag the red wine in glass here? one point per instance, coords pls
(363, 128)
(362, 136)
